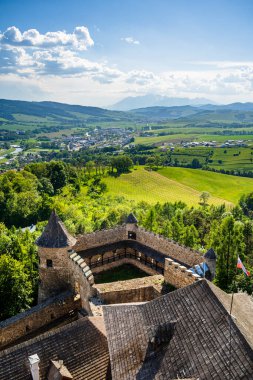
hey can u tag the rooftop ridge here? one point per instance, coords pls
(187, 303)
(45, 335)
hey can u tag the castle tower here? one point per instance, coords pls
(210, 259)
(54, 244)
(131, 225)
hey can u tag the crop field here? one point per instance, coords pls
(152, 187)
(240, 158)
(193, 135)
(226, 187)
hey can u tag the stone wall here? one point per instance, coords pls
(176, 251)
(178, 275)
(102, 237)
(31, 320)
(137, 290)
(120, 262)
(81, 279)
(55, 279)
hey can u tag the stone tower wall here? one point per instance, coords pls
(56, 279)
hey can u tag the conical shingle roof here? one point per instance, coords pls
(131, 219)
(210, 254)
(55, 234)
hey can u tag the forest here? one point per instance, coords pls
(82, 200)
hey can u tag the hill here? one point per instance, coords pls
(18, 115)
(22, 111)
(178, 184)
(237, 112)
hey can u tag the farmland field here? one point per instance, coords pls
(223, 186)
(152, 187)
(179, 184)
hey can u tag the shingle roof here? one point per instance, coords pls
(81, 345)
(131, 219)
(210, 254)
(55, 234)
(183, 334)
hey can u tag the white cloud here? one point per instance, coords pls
(141, 77)
(80, 39)
(55, 64)
(130, 40)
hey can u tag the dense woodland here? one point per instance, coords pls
(80, 197)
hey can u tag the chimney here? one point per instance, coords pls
(34, 366)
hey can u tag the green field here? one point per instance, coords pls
(191, 136)
(152, 187)
(240, 158)
(179, 184)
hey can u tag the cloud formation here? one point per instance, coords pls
(80, 39)
(130, 40)
(57, 63)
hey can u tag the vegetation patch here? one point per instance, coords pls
(152, 187)
(121, 273)
(226, 187)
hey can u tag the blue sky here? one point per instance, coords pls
(97, 52)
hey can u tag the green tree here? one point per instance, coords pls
(57, 174)
(150, 220)
(195, 164)
(204, 196)
(15, 287)
(122, 164)
(190, 236)
(228, 244)
(246, 203)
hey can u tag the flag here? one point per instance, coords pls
(241, 266)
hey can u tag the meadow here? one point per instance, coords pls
(222, 186)
(172, 184)
(160, 186)
(240, 158)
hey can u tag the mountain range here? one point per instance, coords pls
(151, 100)
(20, 113)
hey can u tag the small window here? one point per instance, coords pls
(49, 264)
(131, 235)
(27, 328)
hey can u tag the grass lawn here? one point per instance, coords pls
(121, 273)
(227, 187)
(153, 187)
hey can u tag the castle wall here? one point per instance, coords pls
(178, 275)
(102, 237)
(123, 261)
(174, 250)
(136, 290)
(81, 279)
(34, 318)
